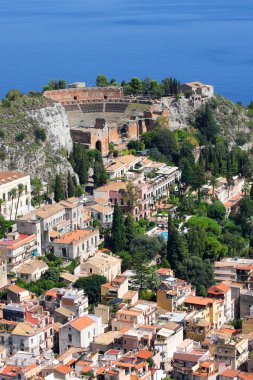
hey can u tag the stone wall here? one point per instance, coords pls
(80, 95)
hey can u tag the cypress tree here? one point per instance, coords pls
(118, 236)
(251, 192)
(129, 229)
(58, 189)
(70, 186)
(177, 249)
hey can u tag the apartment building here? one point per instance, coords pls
(102, 263)
(77, 244)
(169, 336)
(73, 300)
(229, 348)
(26, 327)
(18, 249)
(224, 293)
(114, 289)
(172, 293)
(238, 270)
(208, 309)
(80, 332)
(16, 201)
(186, 357)
(50, 221)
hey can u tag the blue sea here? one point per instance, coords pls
(206, 40)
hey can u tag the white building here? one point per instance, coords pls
(80, 332)
(12, 197)
(76, 244)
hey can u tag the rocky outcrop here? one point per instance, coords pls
(21, 150)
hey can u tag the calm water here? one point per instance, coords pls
(206, 40)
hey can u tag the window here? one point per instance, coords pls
(64, 252)
(90, 270)
(89, 335)
(70, 337)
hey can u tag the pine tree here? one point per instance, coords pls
(58, 189)
(118, 236)
(129, 229)
(70, 186)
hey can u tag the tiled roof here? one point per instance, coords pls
(68, 277)
(82, 323)
(73, 236)
(144, 354)
(16, 289)
(202, 301)
(186, 357)
(102, 209)
(8, 176)
(219, 288)
(65, 312)
(63, 369)
(49, 210)
(230, 373)
(23, 329)
(21, 240)
(32, 266)
(114, 185)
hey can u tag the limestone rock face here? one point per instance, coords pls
(54, 120)
(39, 158)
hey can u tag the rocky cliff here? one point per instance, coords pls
(34, 137)
(235, 121)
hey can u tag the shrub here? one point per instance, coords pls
(40, 134)
(20, 136)
(1, 134)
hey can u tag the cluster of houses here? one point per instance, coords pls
(189, 337)
(59, 336)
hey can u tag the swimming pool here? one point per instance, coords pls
(164, 235)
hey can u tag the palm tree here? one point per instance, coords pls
(37, 188)
(2, 202)
(214, 183)
(20, 191)
(13, 194)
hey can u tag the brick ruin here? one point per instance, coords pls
(100, 116)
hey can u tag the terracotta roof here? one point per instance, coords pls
(144, 354)
(82, 323)
(114, 185)
(164, 271)
(63, 369)
(73, 236)
(21, 240)
(203, 301)
(113, 352)
(16, 289)
(230, 373)
(220, 288)
(129, 312)
(245, 376)
(51, 292)
(8, 176)
(102, 201)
